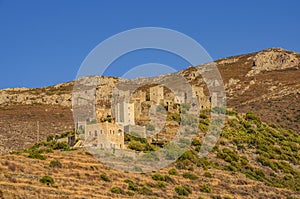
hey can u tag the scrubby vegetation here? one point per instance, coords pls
(38, 150)
(116, 190)
(249, 152)
(183, 190)
(104, 177)
(47, 180)
(55, 164)
(138, 144)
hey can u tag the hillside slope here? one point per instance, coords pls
(242, 165)
(265, 82)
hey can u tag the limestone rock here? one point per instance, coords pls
(273, 59)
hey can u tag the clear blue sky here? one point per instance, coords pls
(44, 42)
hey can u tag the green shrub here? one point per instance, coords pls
(251, 116)
(55, 163)
(228, 155)
(189, 155)
(158, 177)
(196, 142)
(185, 164)
(183, 190)
(116, 190)
(203, 116)
(205, 188)
(61, 146)
(36, 155)
(207, 174)
(136, 145)
(216, 197)
(203, 127)
(190, 176)
(50, 138)
(231, 113)
(175, 117)
(161, 184)
(47, 180)
(173, 172)
(131, 185)
(130, 193)
(104, 177)
(204, 163)
(145, 190)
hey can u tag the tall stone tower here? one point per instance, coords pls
(157, 93)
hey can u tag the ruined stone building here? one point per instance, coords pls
(157, 94)
(203, 100)
(138, 97)
(124, 113)
(104, 135)
(180, 97)
(123, 108)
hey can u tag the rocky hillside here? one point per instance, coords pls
(242, 165)
(265, 82)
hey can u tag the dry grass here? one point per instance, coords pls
(79, 177)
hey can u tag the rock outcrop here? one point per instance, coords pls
(273, 59)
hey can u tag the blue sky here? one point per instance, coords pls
(44, 42)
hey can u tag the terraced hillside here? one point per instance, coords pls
(251, 160)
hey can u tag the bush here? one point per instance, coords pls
(55, 163)
(136, 145)
(189, 155)
(251, 116)
(207, 174)
(175, 117)
(145, 190)
(216, 197)
(50, 138)
(36, 155)
(47, 180)
(173, 172)
(131, 185)
(190, 176)
(61, 146)
(196, 142)
(205, 188)
(228, 155)
(161, 184)
(185, 164)
(140, 145)
(158, 177)
(116, 190)
(104, 177)
(183, 190)
(203, 116)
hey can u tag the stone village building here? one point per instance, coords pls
(108, 135)
(104, 135)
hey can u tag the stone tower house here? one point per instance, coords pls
(157, 94)
(105, 135)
